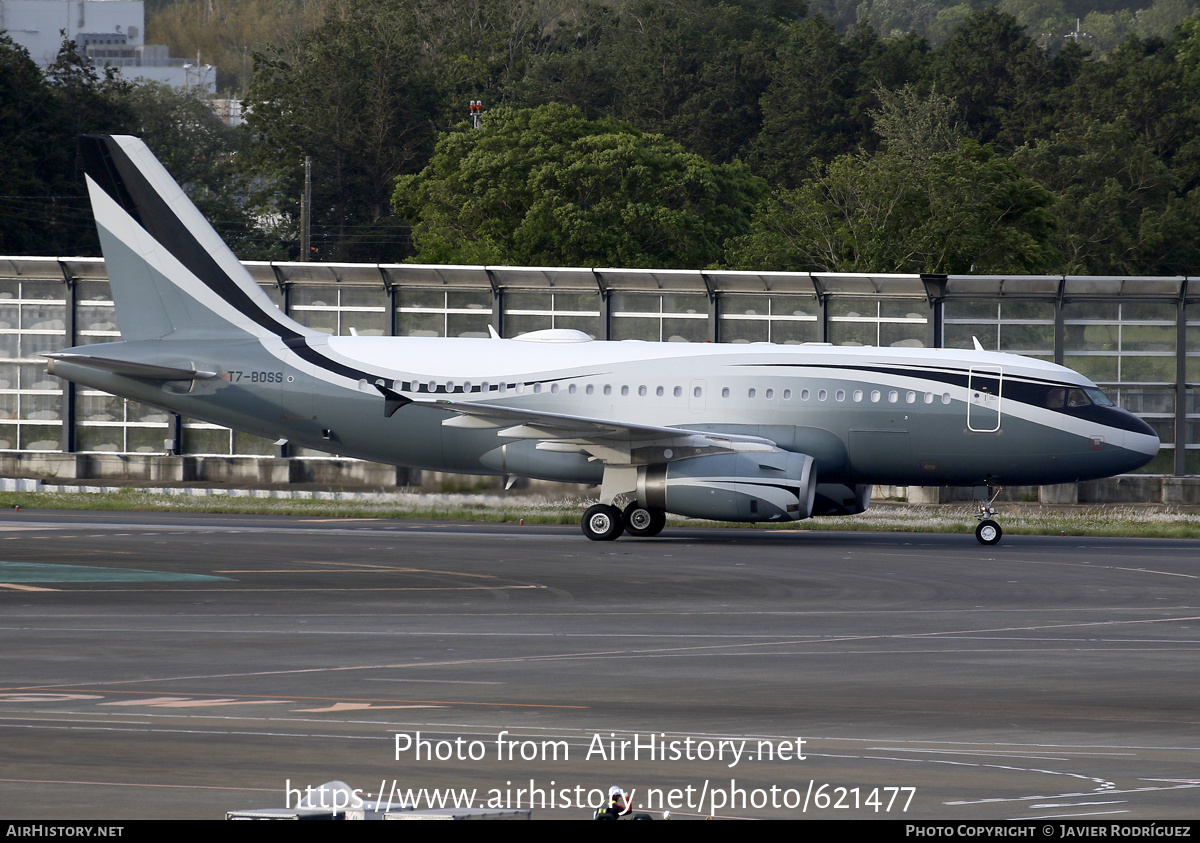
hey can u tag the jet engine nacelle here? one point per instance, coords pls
(732, 487)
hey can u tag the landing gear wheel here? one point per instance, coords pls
(988, 532)
(602, 523)
(643, 522)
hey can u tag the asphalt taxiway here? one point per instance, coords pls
(172, 665)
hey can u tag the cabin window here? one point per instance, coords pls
(945, 397)
(659, 392)
(822, 395)
(751, 393)
(875, 396)
(725, 392)
(641, 391)
(787, 395)
(770, 394)
(624, 390)
(608, 389)
(589, 389)
(858, 395)
(840, 395)
(679, 392)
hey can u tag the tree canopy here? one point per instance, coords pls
(546, 186)
(965, 210)
(875, 134)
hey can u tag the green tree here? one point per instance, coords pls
(914, 128)
(967, 210)
(355, 94)
(809, 113)
(225, 33)
(43, 203)
(27, 113)
(999, 76)
(1116, 200)
(822, 92)
(692, 70)
(201, 153)
(1145, 87)
(547, 186)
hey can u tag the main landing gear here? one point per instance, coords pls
(643, 522)
(604, 522)
(988, 531)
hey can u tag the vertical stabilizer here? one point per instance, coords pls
(172, 276)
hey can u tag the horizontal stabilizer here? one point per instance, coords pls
(126, 367)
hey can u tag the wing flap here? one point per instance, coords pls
(611, 442)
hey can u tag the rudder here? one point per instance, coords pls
(171, 274)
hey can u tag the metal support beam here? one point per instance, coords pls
(69, 388)
(497, 302)
(1181, 393)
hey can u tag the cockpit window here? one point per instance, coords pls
(1070, 397)
(1075, 397)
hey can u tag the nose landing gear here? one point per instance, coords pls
(988, 531)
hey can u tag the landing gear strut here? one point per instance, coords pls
(988, 531)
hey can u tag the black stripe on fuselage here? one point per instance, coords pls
(110, 168)
(1023, 389)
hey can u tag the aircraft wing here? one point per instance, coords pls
(611, 442)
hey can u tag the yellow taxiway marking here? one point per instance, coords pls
(360, 707)
(331, 700)
(186, 702)
(354, 567)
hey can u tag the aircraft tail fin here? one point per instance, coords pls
(171, 274)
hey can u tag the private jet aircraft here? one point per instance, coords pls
(728, 432)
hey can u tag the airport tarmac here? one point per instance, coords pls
(182, 665)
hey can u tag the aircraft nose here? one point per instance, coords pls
(1145, 437)
(1140, 442)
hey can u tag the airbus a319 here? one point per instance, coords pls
(764, 433)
